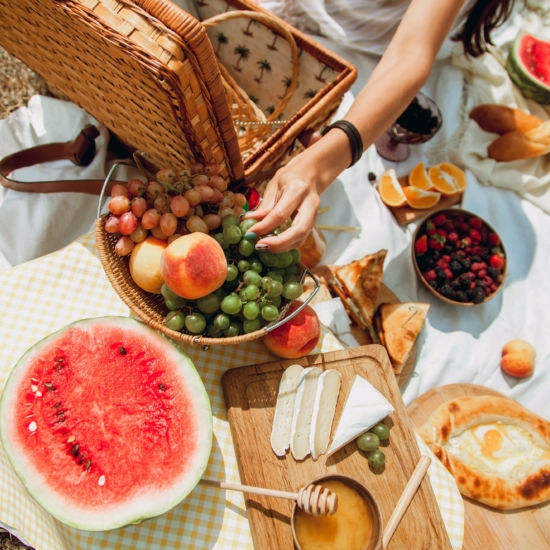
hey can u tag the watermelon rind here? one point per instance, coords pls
(144, 506)
(530, 87)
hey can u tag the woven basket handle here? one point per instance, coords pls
(275, 25)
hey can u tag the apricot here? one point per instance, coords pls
(518, 358)
(145, 264)
(298, 336)
(193, 266)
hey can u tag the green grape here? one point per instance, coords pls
(246, 248)
(242, 296)
(173, 305)
(214, 332)
(220, 293)
(251, 325)
(243, 266)
(291, 291)
(232, 233)
(221, 321)
(247, 224)
(232, 330)
(368, 442)
(251, 310)
(284, 259)
(268, 259)
(231, 304)
(175, 320)
(230, 220)
(232, 272)
(195, 323)
(381, 430)
(276, 289)
(276, 301)
(251, 278)
(377, 459)
(256, 265)
(251, 292)
(209, 303)
(278, 231)
(275, 276)
(270, 313)
(168, 294)
(290, 279)
(221, 240)
(292, 270)
(279, 270)
(296, 255)
(266, 282)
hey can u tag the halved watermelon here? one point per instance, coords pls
(529, 67)
(106, 422)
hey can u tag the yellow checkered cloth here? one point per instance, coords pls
(41, 297)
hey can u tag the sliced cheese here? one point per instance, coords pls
(303, 412)
(365, 406)
(284, 409)
(328, 388)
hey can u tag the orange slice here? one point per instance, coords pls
(443, 181)
(458, 175)
(419, 178)
(419, 198)
(390, 189)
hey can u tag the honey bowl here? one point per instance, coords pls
(356, 525)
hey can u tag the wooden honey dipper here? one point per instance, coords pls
(312, 499)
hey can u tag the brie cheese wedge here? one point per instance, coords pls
(328, 389)
(303, 412)
(365, 406)
(284, 409)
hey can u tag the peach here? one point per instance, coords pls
(298, 336)
(518, 358)
(193, 266)
(145, 264)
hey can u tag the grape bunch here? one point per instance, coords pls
(258, 283)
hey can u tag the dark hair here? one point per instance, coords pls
(484, 16)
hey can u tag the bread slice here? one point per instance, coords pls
(501, 119)
(398, 326)
(361, 281)
(517, 146)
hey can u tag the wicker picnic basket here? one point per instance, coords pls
(237, 89)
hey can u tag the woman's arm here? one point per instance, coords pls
(402, 71)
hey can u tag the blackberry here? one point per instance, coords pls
(429, 261)
(486, 257)
(459, 254)
(447, 250)
(447, 291)
(455, 285)
(456, 266)
(475, 259)
(436, 255)
(466, 263)
(434, 284)
(493, 272)
(470, 294)
(480, 284)
(479, 295)
(465, 281)
(425, 263)
(461, 296)
(440, 273)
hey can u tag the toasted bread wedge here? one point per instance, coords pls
(361, 281)
(398, 326)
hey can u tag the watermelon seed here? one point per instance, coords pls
(162, 387)
(59, 359)
(38, 394)
(34, 379)
(32, 426)
(34, 388)
(74, 450)
(49, 385)
(57, 405)
(81, 458)
(60, 413)
(71, 439)
(87, 464)
(122, 350)
(101, 481)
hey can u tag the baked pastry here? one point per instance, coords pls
(497, 450)
(397, 327)
(309, 286)
(501, 119)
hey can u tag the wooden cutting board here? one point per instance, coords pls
(486, 528)
(250, 395)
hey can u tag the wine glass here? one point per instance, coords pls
(423, 119)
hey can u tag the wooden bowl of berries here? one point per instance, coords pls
(459, 257)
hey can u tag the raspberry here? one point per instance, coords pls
(494, 239)
(448, 226)
(475, 222)
(430, 275)
(475, 235)
(465, 228)
(440, 219)
(442, 263)
(477, 250)
(448, 273)
(446, 257)
(468, 250)
(494, 287)
(452, 237)
(478, 295)
(476, 266)
(482, 273)
(487, 291)
(457, 222)
(488, 281)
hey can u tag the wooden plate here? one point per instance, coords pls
(250, 395)
(486, 528)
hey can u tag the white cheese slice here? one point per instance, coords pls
(365, 406)
(303, 412)
(284, 409)
(328, 388)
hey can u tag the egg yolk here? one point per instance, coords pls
(492, 442)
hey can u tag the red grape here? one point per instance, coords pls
(124, 246)
(151, 218)
(158, 233)
(225, 212)
(217, 198)
(111, 224)
(238, 210)
(139, 206)
(227, 201)
(197, 168)
(166, 174)
(119, 190)
(212, 221)
(139, 234)
(193, 196)
(196, 225)
(179, 206)
(127, 223)
(136, 187)
(154, 189)
(212, 168)
(199, 211)
(118, 205)
(161, 203)
(239, 199)
(173, 237)
(218, 183)
(168, 223)
(183, 175)
(199, 179)
(206, 192)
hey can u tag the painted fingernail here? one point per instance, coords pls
(262, 247)
(250, 236)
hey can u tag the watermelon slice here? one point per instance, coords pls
(529, 67)
(106, 422)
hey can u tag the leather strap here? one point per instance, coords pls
(79, 151)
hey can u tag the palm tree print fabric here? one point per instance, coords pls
(260, 61)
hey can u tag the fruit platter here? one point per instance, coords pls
(175, 249)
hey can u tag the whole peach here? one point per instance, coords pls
(193, 266)
(298, 336)
(518, 358)
(145, 264)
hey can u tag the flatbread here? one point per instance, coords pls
(361, 280)
(497, 450)
(397, 327)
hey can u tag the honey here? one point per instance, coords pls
(350, 528)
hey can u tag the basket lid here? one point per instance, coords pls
(145, 70)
